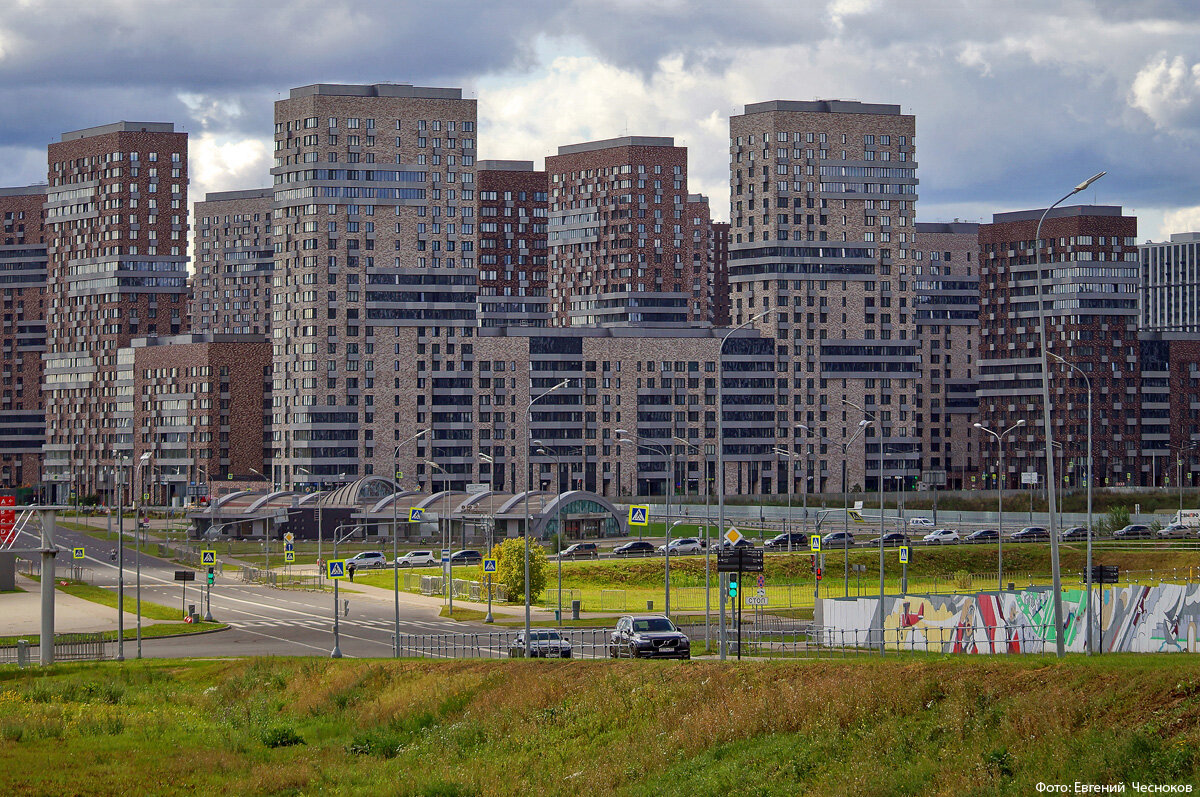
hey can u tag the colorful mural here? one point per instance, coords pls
(1131, 619)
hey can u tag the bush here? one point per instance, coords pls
(281, 736)
(510, 568)
(1117, 518)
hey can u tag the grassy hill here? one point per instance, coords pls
(305, 726)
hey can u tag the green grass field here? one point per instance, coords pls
(907, 726)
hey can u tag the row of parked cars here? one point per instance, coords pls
(369, 560)
(636, 636)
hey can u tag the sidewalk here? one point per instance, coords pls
(21, 612)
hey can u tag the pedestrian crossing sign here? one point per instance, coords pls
(814, 542)
(416, 515)
(208, 557)
(77, 553)
(489, 565)
(639, 515)
(336, 568)
(903, 554)
(289, 556)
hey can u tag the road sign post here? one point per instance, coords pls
(184, 576)
(639, 515)
(77, 553)
(904, 570)
(489, 567)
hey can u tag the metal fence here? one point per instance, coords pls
(67, 647)
(72, 572)
(585, 643)
(464, 589)
(287, 578)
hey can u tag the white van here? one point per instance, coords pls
(920, 521)
(417, 559)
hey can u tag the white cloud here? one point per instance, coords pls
(220, 163)
(1179, 220)
(1166, 91)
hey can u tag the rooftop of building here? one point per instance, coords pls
(119, 127)
(1176, 238)
(375, 90)
(1065, 212)
(248, 193)
(952, 227)
(25, 190)
(504, 166)
(613, 143)
(823, 106)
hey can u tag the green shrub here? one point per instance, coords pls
(281, 736)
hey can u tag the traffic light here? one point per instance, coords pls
(210, 575)
(818, 574)
(812, 567)
(733, 586)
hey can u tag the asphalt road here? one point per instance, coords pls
(263, 620)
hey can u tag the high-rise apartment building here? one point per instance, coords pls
(22, 336)
(511, 205)
(375, 282)
(1090, 282)
(945, 278)
(720, 280)
(698, 275)
(621, 238)
(823, 199)
(1171, 284)
(231, 281)
(116, 239)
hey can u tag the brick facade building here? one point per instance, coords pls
(234, 260)
(511, 206)
(116, 237)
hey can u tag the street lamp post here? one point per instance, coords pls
(1179, 450)
(1000, 498)
(862, 426)
(558, 506)
(661, 450)
(120, 559)
(491, 526)
(395, 535)
(137, 547)
(446, 535)
(1088, 383)
(787, 523)
(882, 471)
(721, 451)
(707, 546)
(1059, 642)
(525, 446)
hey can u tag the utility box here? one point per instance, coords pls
(8, 572)
(575, 606)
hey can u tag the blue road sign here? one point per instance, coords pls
(489, 565)
(638, 515)
(445, 555)
(416, 515)
(336, 568)
(288, 547)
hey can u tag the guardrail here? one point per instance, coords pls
(67, 647)
(72, 572)
(585, 643)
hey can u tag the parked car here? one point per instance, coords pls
(1134, 531)
(742, 543)
(799, 542)
(838, 539)
(581, 550)
(941, 537)
(417, 559)
(682, 546)
(1030, 533)
(892, 538)
(465, 557)
(1175, 531)
(635, 548)
(1074, 533)
(542, 645)
(648, 636)
(982, 535)
(367, 560)
(920, 521)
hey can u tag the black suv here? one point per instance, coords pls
(466, 557)
(649, 637)
(581, 550)
(635, 548)
(1134, 531)
(780, 543)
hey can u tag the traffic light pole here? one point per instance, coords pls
(739, 606)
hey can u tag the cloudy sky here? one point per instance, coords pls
(1016, 100)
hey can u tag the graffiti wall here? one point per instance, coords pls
(1131, 619)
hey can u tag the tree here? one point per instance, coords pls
(510, 568)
